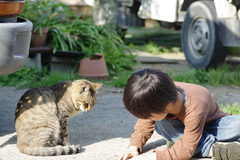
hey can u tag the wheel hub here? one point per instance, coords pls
(199, 36)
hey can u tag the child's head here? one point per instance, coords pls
(149, 91)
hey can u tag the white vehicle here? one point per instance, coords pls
(15, 35)
(208, 27)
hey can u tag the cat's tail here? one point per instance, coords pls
(51, 151)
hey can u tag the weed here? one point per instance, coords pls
(222, 75)
(24, 77)
(234, 108)
(156, 40)
(153, 48)
(31, 77)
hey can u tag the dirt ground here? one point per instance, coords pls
(105, 131)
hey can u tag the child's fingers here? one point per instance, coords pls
(126, 156)
(119, 156)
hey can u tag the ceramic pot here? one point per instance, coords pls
(94, 67)
(11, 8)
(37, 39)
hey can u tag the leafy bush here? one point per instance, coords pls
(92, 39)
(40, 13)
(70, 32)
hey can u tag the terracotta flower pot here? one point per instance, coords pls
(94, 67)
(37, 39)
(8, 8)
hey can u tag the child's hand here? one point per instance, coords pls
(147, 156)
(132, 151)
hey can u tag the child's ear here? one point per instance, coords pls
(169, 106)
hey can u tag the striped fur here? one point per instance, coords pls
(41, 118)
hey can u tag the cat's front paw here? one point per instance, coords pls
(76, 148)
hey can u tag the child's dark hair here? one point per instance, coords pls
(148, 91)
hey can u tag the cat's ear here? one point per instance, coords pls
(97, 86)
(84, 88)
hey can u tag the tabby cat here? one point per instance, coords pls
(41, 118)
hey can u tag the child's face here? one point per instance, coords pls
(158, 116)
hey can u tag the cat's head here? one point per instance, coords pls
(83, 94)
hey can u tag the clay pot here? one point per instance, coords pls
(37, 39)
(94, 67)
(9, 8)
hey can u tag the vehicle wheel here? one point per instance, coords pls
(200, 38)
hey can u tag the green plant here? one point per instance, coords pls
(114, 51)
(225, 74)
(28, 77)
(83, 36)
(234, 108)
(31, 77)
(154, 48)
(61, 39)
(24, 77)
(201, 76)
(155, 40)
(75, 35)
(40, 13)
(69, 32)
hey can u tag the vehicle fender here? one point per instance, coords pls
(225, 9)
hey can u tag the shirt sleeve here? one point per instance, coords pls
(185, 146)
(143, 130)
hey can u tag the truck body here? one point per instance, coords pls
(208, 27)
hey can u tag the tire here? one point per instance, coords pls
(200, 38)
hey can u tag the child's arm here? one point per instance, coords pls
(143, 130)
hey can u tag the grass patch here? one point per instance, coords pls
(222, 75)
(155, 49)
(30, 77)
(234, 108)
(156, 40)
